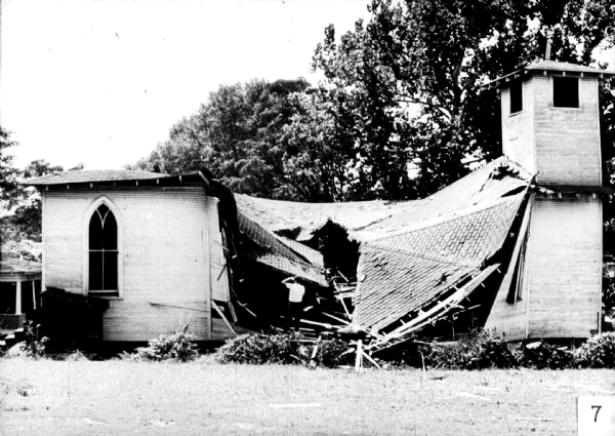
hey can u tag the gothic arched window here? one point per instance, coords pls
(103, 253)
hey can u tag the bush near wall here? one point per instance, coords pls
(331, 354)
(597, 352)
(258, 349)
(483, 351)
(283, 349)
(541, 355)
(480, 351)
(178, 346)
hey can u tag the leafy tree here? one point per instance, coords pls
(433, 56)
(40, 168)
(7, 179)
(7, 171)
(317, 153)
(24, 221)
(401, 110)
(236, 135)
(363, 95)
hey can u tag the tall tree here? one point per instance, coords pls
(433, 56)
(7, 171)
(236, 135)
(400, 111)
(7, 178)
(24, 221)
(318, 155)
(363, 93)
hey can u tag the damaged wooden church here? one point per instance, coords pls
(159, 252)
(515, 246)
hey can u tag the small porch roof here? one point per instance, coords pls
(13, 269)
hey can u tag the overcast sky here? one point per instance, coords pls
(101, 81)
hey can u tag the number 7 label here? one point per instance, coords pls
(596, 415)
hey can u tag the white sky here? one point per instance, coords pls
(102, 81)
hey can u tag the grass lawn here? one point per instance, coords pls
(117, 397)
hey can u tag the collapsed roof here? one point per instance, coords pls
(281, 254)
(366, 220)
(419, 259)
(402, 273)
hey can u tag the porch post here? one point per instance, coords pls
(18, 298)
(33, 294)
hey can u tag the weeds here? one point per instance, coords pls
(34, 346)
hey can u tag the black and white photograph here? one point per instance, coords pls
(307, 217)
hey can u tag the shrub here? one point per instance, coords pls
(177, 346)
(283, 349)
(488, 352)
(258, 349)
(477, 352)
(541, 355)
(330, 352)
(447, 356)
(597, 352)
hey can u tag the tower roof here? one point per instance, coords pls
(547, 67)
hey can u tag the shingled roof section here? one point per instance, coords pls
(482, 186)
(305, 218)
(313, 256)
(95, 176)
(271, 251)
(393, 284)
(367, 220)
(407, 270)
(469, 237)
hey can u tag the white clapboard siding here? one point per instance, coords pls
(165, 255)
(568, 139)
(561, 296)
(565, 254)
(561, 144)
(518, 128)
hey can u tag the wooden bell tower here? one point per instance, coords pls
(551, 126)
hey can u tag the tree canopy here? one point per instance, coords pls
(7, 171)
(400, 111)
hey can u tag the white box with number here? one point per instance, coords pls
(596, 415)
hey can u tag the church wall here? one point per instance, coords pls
(564, 268)
(561, 288)
(165, 244)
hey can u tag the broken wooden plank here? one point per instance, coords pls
(343, 321)
(221, 313)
